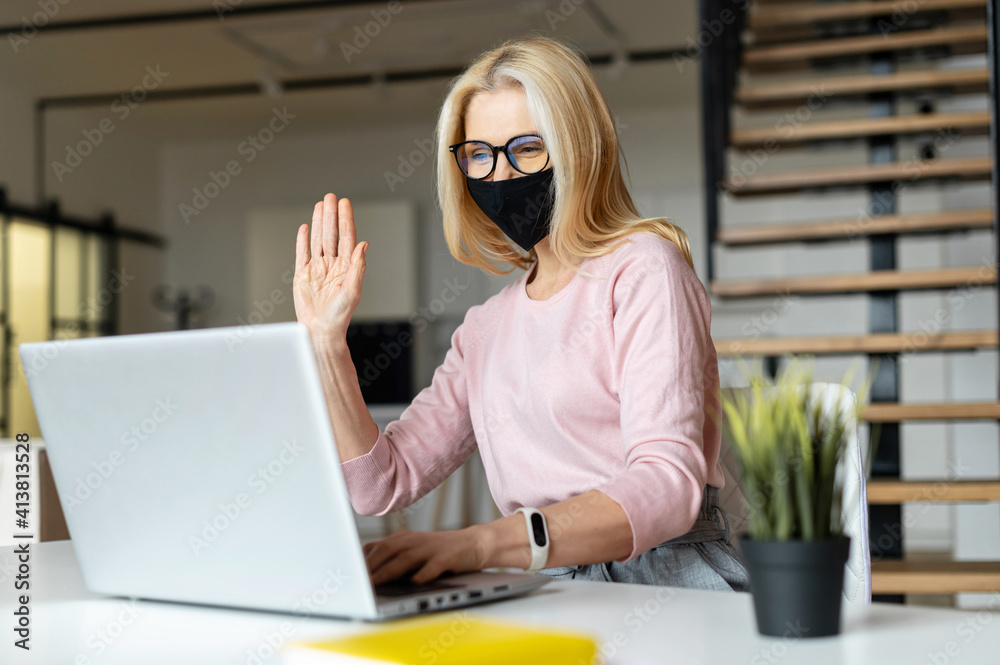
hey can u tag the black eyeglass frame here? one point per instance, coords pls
(498, 149)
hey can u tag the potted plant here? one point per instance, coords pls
(788, 448)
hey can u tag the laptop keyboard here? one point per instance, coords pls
(404, 588)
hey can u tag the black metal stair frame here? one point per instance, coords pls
(720, 61)
(993, 63)
(719, 77)
(885, 522)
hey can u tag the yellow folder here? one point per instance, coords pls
(451, 639)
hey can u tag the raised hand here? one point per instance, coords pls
(329, 268)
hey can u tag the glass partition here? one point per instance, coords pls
(54, 284)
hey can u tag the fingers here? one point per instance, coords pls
(404, 562)
(301, 247)
(424, 555)
(358, 265)
(381, 551)
(393, 556)
(328, 238)
(316, 239)
(347, 230)
(431, 570)
(330, 231)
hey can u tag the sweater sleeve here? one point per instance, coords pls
(431, 439)
(661, 328)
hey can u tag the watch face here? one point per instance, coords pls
(538, 529)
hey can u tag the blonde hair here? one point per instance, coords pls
(592, 204)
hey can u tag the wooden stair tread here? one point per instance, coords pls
(879, 280)
(751, 94)
(859, 174)
(894, 412)
(776, 15)
(859, 128)
(879, 343)
(902, 576)
(847, 229)
(802, 52)
(890, 492)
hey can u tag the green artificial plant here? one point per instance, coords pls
(788, 451)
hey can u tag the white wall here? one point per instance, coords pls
(297, 170)
(117, 173)
(17, 155)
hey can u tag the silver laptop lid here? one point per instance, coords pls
(199, 466)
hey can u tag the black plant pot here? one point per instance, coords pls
(796, 585)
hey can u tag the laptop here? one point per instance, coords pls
(199, 466)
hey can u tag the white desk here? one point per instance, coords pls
(640, 625)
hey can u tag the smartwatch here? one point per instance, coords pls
(538, 537)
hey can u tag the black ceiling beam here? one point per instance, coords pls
(219, 9)
(319, 83)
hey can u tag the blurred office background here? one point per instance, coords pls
(156, 160)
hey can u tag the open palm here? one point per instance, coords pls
(329, 268)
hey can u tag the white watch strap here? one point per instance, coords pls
(538, 538)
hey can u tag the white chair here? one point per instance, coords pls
(858, 571)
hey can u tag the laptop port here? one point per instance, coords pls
(423, 604)
(501, 588)
(475, 593)
(439, 600)
(454, 597)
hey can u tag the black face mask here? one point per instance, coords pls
(521, 207)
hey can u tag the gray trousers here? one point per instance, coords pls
(703, 558)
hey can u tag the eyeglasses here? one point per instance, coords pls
(478, 159)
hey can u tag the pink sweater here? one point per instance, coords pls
(606, 385)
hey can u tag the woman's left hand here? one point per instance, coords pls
(428, 553)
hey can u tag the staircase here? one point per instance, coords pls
(790, 78)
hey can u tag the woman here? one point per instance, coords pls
(585, 384)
